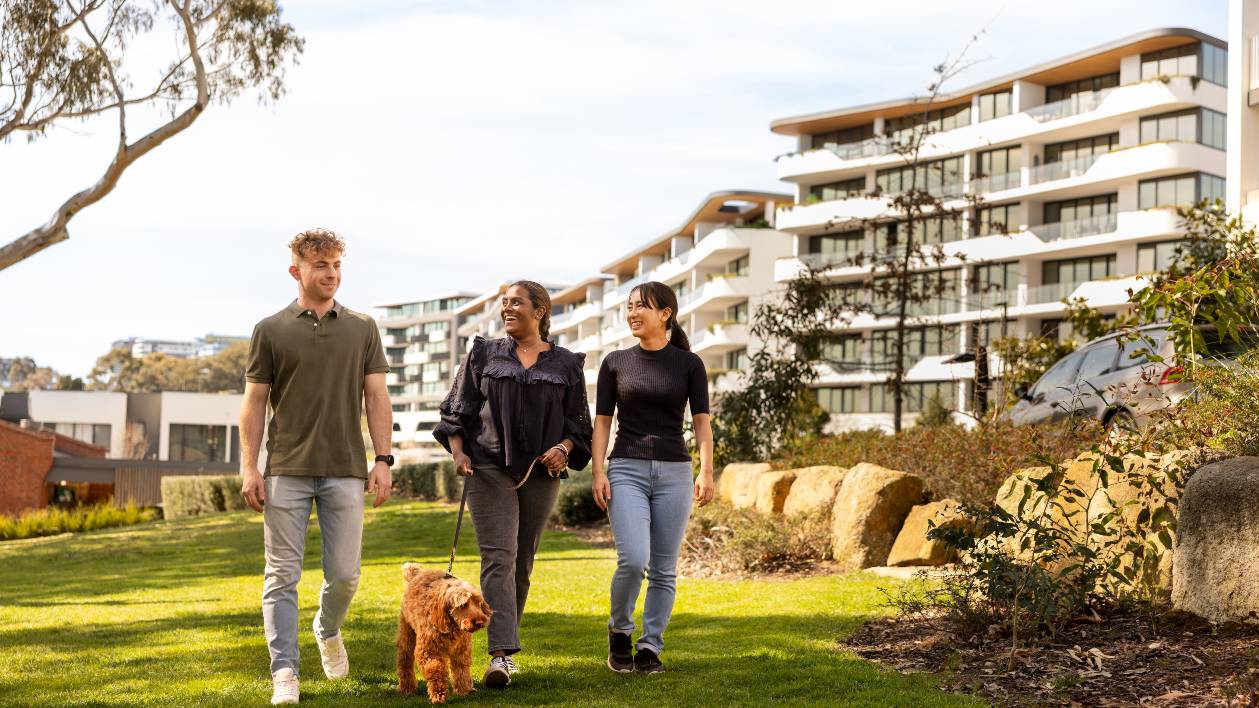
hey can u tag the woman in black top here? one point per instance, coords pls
(515, 401)
(647, 485)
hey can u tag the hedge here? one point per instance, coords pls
(430, 481)
(200, 494)
(576, 504)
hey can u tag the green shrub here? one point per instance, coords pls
(722, 539)
(193, 495)
(576, 504)
(968, 464)
(429, 481)
(55, 520)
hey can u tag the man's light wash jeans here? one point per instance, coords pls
(339, 504)
(651, 503)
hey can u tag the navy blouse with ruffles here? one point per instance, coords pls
(508, 415)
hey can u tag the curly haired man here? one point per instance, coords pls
(316, 362)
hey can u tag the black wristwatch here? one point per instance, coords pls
(387, 459)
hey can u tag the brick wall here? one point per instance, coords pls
(25, 458)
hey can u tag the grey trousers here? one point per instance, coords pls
(339, 503)
(509, 524)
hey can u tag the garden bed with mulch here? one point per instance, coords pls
(1122, 661)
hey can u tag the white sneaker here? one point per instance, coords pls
(336, 663)
(284, 687)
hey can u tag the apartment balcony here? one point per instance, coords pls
(1060, 120)
(717, 293)
(1063, 169)
(720, 338)
(830, 214)
(393, 379)
(996, 183)
(1098, 293)
(586, 345)
(577, 316)
(1077, 228)
(717, 247)
(390, 340)
(411, 358)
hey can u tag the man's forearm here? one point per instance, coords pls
(252, 421)
(380, 424)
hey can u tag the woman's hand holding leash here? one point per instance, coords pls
(555, 459)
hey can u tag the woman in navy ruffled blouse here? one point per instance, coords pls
(514, 420)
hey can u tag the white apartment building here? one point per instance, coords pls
(1079, 162)
(721, 263)
(1243, 109)
(577, 323)
(423, 349)
(208, 345)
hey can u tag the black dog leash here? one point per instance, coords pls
(463, 501)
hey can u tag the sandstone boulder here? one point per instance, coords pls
(814, 488)
(772, 489)
(912, 546)
(738, 483)
(869, 509)
(1215, 571)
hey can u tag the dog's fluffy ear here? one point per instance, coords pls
(439, 613)
(409, 571)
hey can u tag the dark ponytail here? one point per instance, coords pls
(540, 298)
(658, 296)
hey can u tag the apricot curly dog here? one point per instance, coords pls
(439, 615)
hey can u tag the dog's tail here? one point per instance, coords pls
(410, 570)
(406, 647)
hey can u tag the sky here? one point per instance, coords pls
(455, 145)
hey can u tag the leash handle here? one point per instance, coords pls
(463, 501)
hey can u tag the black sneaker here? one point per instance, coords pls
(620, 653)
(646, 662)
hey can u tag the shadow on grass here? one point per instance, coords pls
(744, 660)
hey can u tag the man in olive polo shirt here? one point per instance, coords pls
(316, 362)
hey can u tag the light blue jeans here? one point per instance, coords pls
(651, 503)
(339, 503)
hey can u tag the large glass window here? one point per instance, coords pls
(1204, 60)
(901, 130)
(1059, 92)
(845, 244)
(1000, 219)
(1078, 270)
(941, 178)
(1083, 208)
(1084, 147)
(843, 189)
(738, 312)
(854, 134)
(1179, 190)
(915, 395)
(843, 349)
(840, 399)
(995, 105)
(928, 231)
(995, 277)
(739, 266)
(1154, 257)
(1200, 125)
(1000, 161)
(1176, 61)
(198, 443)
(919, 342)
(737, 360)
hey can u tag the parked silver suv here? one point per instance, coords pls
(1112, 379)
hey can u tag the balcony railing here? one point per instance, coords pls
(1082, 102)
(996, 183)
(1053, 292)
(1063, 169)
(624, 288)
(871, 147)
(1077, 228)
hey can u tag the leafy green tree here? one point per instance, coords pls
(66, 61)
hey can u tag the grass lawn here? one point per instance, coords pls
(167, 614)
